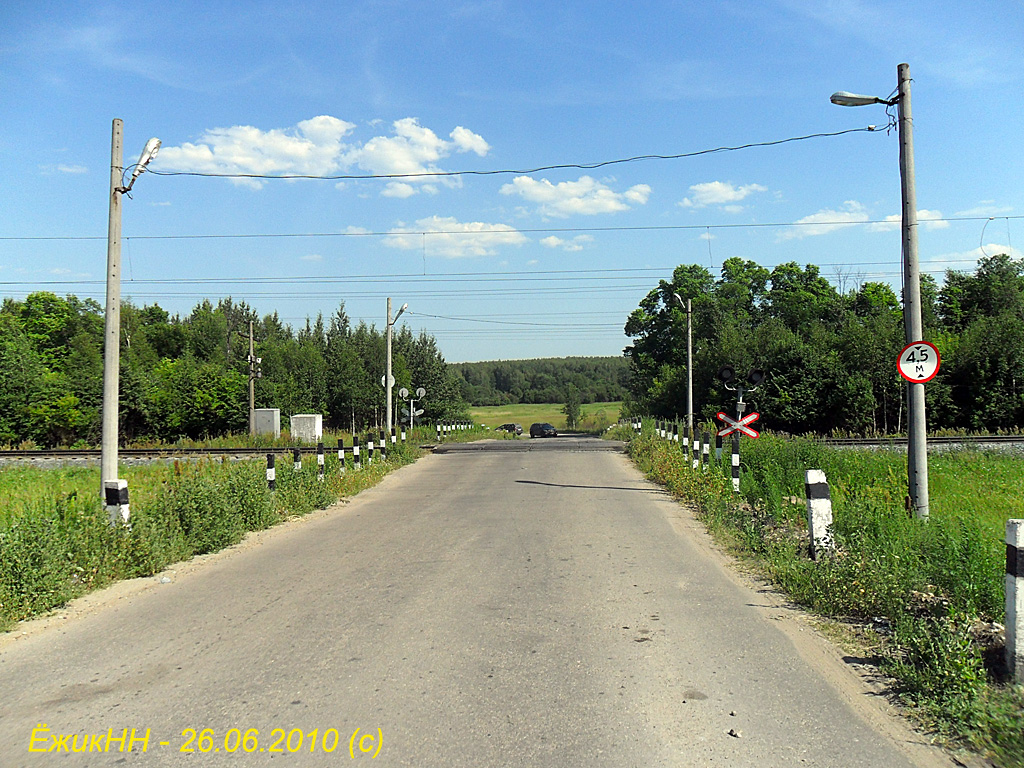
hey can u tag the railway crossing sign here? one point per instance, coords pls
(919, 362)
(739, 425)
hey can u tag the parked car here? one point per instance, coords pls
(516, 429)
(542, 430)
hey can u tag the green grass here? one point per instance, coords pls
(594, 416)
(56, 543)
(885, 565)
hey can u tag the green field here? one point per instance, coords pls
(595, 416)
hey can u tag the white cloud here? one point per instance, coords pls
(576, 244)
(986, 208)
(49, 170)
(586, 196)
(925, 218)
(706, 236)
(452, 239)
(311, 257)
(967, 261)
(720, 193)
(321, 146)
(851, 212)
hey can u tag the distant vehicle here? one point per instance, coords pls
(542, 430)
(516, 429)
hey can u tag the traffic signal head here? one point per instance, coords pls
(755, 377)
(727, 373)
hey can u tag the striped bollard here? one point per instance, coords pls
(369, 452)
(819, 513)
(696, 451)
(320, 462)
(439, 432)
(705, 453)
(394, 438)
(115, 498)
(718, 448)
(735, 462)
(356, 461)
(341, 456)
(403, 434)
(271, 472)
(1015, 599)
(297, 457)
(383, 447)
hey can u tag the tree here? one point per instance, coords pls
(571, 409)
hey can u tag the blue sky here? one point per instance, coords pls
(510, 265)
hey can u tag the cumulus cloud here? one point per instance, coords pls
(821, 223)
(986, 208)
(445, 236)
(925, 218)
(586, 196)
(49, 170)
(720, 193)
(576, 244)
(311, 257)
(323, 146)
(967, 261)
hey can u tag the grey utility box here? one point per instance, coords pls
(308, 427)
(268, 422)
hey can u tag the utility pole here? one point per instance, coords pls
(917, 442)
(252, 384)
(112, 319)
(387, 372)
(689, 370)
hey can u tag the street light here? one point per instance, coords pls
(389, 382)
(689, 363)
(917, 442)
(113, 490)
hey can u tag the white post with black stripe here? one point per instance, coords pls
(115, 498)
(705, 450)
(369, 451)
(356, 461)
(718, 448)
(341, 456)
(735, 462)
(819, 513)
(1015, 599)
(383, 446)
(696, 452)
(297, 457)
(271, 472)
(320, 462)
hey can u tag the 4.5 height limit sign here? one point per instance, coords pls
(919, 362)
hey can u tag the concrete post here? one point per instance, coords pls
(383, 447)
(696, 452)
(819, 513)
(112, 319)
(320, 462)
(735, 462)
(341, 455)
(718, 448)
(1015, 599)
(706, 450)
(356, 462)
(297, 458)
(116, 502)
(271, 472)
(369, 451)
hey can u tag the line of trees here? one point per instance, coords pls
(188, 376)
(830, 354)
(543, 380)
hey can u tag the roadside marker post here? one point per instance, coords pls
(705, 451)
(819, 513)
(735, 462)
(297, 458)
(271, 472)
(696, 452)
(341, 455)
(383, 447)
(675, 432)
(1015, 599)
(115, 495)
(718, 448)
(369, 451)
(355, 453)
(320, 462)
(394, 437)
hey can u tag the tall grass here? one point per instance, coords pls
(926, 586)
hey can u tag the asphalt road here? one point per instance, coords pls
(528, 603)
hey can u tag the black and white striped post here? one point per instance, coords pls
(403, 434)
(271, 472)
(356, 461)
(675, 432)
(819, 513)
(735, 462)
(705, 450)
(320, 462)
(297, 457)
(439, 432)
(341, 456)
(696, 452)
(115, 499)
(394, 438)
(369, 451)
(718, 448)
(1015, 599)
(383, 446)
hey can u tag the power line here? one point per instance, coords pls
(500, 231)
(508, 171)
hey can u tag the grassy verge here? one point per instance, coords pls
(930, 592)
(56, 544)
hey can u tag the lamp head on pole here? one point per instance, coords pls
(847, 99)
(148, 153)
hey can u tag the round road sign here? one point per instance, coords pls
(421, 392)
(403, 393)
(919, 362)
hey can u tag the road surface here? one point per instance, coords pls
(506, 603)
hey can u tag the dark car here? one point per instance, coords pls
(542, 430)
(515, 429)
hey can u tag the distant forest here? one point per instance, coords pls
(545, 380)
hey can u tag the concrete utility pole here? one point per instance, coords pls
(917, 443)
(689, 370)
(112, 319)
(252, 384)
(388, 379)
